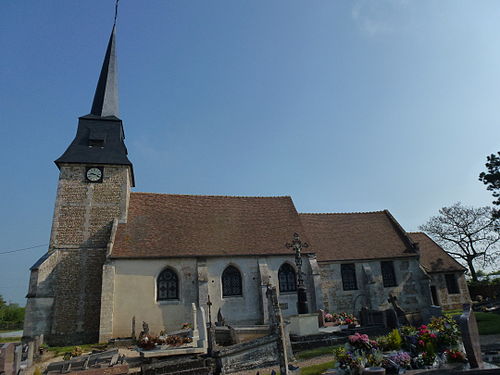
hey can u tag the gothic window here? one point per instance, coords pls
(388, 274)
(451, 284)
(348, 272)
(167, 285)
(231, 282)
(286, 278)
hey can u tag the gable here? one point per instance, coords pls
(432, 256)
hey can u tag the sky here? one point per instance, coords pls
(345, 106)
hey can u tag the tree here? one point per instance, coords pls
(492, 179)
(466, 233)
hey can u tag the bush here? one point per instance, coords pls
(391, 341)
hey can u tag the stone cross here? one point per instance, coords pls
(297, 245)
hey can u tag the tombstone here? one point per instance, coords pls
(220, 319)
(393, 300)
(364, 316)
(7, 358)
(278, 328)
(470, 337)
(321, 318)
(391, 319)
(145, 329)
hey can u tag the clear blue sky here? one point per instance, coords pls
(344, 105)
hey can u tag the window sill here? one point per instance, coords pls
(293, 292)
(169, 302)
(232, 297)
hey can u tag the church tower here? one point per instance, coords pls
(92, 198)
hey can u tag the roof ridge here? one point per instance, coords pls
(341, 213)
(212, 195)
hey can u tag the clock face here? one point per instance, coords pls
(94, 174)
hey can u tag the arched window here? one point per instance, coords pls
(286, 278)
(231, 282)
(167, 285)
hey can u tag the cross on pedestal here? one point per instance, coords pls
(297, 245)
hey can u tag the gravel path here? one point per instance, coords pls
(304, 363)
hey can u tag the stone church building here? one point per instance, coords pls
(117, 255)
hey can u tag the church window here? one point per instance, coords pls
(167, 285)
(287, 279)
(231, 282)
(388, 274)
(451, 284)
(348, 272)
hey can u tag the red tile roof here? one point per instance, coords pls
(168, 225)
(432, 256)
(356, 236)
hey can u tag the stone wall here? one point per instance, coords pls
(129, 290)
(65, 288)
(412, 289)
(446, 300)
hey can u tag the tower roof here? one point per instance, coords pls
(106, 93)
(100, 138)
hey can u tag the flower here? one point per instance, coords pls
(421, 342)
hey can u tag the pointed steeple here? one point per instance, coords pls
(106, 93)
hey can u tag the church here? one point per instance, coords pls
(117, 256)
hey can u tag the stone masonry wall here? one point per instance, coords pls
(446, 300)
(412, 289)
(83, 217)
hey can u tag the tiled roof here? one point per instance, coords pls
(168, 225)
(432, 256)
(356, 236)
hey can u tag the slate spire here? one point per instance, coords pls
(106, 93)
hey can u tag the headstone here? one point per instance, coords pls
(220, 319)
(470, 337)
(391, 318)
(278, 327)
(393, 300)
(364, 316)
(145, 329)
(321, 318)
(133, 328)
(7, 358)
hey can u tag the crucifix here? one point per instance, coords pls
(297, 245)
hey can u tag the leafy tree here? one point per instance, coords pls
(466, 233)
(491, 179)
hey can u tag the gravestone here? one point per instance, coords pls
(470, 337)
(393, 300)
(7, 358)
(278, 327)
(391, 318)
(321, 318)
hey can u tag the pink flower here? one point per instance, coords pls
(423, 326)
(433, 335)
(421, 342)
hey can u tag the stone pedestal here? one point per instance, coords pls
(304, 324)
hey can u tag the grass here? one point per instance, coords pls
(10, 339)
(488, 323)
(307, 354)
(316, 369)
(61, 350)
(452, 313)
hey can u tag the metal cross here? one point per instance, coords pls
(297, 245)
